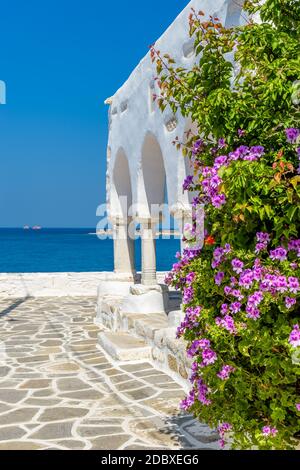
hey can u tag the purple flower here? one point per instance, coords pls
(292, 134)
(188, 294)
(263, 237)
(241, 132)
(278, 254)
(263, 241)
(218, 201)
(208, 357)
(252, 312)
(188, 401)
(219, 278)
(221, 143)
(260, 247)
(298, 406)
(202, 392)
(196, 201)
(246, 279)
(188, 182)
(197, 146)
(191, 318)
(254, 153)
(293, 285)
(225, 372)
(222, 443)
(294, 245)
(194, 348)
(235, 307)
(197, 345)
(227, 323)
(255, 299)
(204, 343)
(220, 161)
(190, 278)
(294, 339)
(224, 309)
(290, 302)
(267, 431)
(222, 429)
(280, 283)
(237, 265)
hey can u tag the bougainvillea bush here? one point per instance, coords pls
(241, 291)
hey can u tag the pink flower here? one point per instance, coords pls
(294, 339)
(279, 254)
(208, 357)
(219, 278)
(190, 278)
(237, 265)
(267, 431)
(225, 372)
(290, 302)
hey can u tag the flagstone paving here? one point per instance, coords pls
(58, 389)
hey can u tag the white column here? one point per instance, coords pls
(123, 248)
(148, 236)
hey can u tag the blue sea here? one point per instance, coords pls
(72, 250)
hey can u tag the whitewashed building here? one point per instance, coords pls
(140, 316)
(142, 162)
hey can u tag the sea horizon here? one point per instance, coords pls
(69, 249)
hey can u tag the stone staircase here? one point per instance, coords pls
(140, 336)
(124, 347)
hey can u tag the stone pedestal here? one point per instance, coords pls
(146, 299)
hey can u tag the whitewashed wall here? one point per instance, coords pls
(140, 133)
(22, 285)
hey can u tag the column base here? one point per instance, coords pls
(146, 299)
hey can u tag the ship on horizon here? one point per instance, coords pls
(35, 227)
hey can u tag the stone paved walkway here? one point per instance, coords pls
(58, 390)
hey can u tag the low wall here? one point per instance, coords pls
(55, 284)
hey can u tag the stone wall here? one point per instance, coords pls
(21, 285)
(51, 284)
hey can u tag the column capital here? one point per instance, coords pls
(147, 220)
(120, 220)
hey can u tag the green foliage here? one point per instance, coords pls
(256, 95)
(248, 101)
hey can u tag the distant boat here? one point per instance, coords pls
(36, 227)
(26, 227)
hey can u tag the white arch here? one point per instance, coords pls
(152, 180)
(121, 190)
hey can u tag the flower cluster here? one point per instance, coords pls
(295, 337)
(269, 431)
(225, 372)
(245, 287)
(223, 428)
(210, 179)
(232, 295)
(292, 135)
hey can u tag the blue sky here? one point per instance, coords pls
(60, 59)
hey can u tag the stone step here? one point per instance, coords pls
(124, 347)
